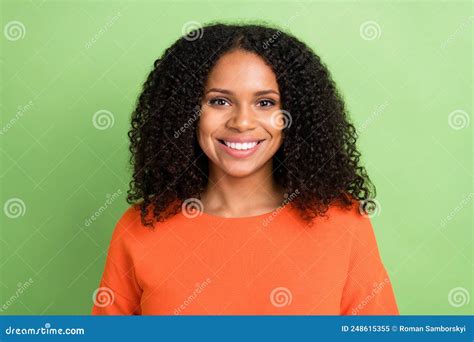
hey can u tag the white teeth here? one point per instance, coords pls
(241, 146)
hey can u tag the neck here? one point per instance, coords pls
(251, 195)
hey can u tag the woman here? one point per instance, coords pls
(247, 194)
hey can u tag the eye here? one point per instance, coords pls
(218, 101)
(266, 103)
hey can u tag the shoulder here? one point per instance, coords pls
(129, 217)
(130, 223)
(358, 226)
(348, 216)
(344, 222)
(126, 225)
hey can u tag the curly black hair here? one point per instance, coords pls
(318, 157)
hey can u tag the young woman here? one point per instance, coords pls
(247, 196)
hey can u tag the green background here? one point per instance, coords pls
(401, 81)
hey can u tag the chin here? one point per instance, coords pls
(239, 171)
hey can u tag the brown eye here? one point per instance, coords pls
(266, 103)
(218, 101)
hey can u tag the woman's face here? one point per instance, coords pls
(241, 101)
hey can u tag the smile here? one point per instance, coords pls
(240, 149)
(241, 146)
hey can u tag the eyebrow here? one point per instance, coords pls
(257, 93)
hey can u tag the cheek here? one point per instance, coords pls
(275, 133)
(277, 141)
(206, 127)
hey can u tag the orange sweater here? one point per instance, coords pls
(270, 264)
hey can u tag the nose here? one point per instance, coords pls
(242, 119)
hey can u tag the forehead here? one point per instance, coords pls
(242, 71)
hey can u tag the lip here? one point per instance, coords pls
(240, 139)
(241, 153)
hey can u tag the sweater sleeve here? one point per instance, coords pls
(368, 290)
(119, 292)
